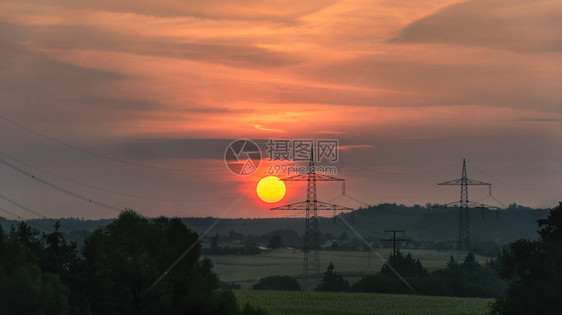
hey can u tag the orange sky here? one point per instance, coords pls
(475, 79)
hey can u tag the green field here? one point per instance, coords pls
(294, 302)
(247, 270)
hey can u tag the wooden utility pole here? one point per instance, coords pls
(394, 239)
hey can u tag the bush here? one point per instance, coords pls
(229, 285)
(277, 283)
(377, 282)
(332, 281)
(249, 309)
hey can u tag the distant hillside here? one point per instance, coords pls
(420, 223)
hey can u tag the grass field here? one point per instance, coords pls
(247, 270)
(294, 302)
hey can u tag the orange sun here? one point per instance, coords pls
(271, 189)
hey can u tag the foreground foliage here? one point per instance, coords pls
(536, 270)
(468, 279)
(119, 262)
(29, 283)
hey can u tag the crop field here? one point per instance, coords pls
(247, 270)
(294, 302)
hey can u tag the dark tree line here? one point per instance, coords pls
(286, 283)
(525, 279)
(466, 279)
(42, 274)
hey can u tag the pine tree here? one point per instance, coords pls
(332, 281)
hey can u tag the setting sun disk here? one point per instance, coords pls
(271, 189)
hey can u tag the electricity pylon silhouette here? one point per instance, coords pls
(311, 261)
(464, 205)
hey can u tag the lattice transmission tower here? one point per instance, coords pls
(464, 204)
(311, 262)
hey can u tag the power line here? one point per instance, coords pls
(401, 196)
(38, 226)
(496, 199)
(508, 184)
(369, 205)
(209, 86)
(102, 156)
(63, 190)
(104, 189)
(357, 200)
(21, 206)
(397, 173)
(17, 216)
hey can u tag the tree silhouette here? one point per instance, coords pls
(407, 266)
(275, 242)
(536, 270)
(125, 257)
(332, 281)
(277, 283)
(58, 257)
(24, 287)
(27, 236)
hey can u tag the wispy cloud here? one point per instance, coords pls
(260, 127)
(542, 119)
(94, 74)
(354, 146)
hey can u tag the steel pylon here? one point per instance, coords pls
(311, 261)
(464, 204)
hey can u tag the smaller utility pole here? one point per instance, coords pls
(394, 239)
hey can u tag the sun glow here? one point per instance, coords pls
(271, 189)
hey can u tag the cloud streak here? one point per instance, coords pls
(468, 73)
